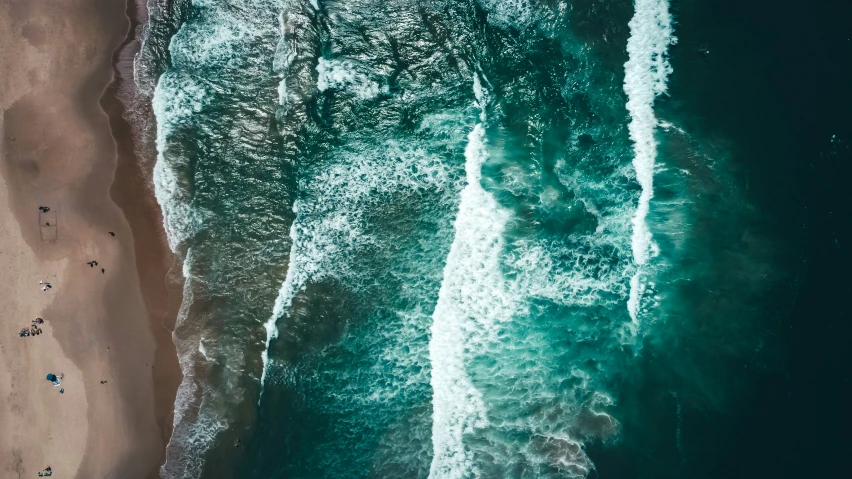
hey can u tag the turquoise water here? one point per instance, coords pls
(449, 239)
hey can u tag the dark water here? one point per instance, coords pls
(506, 239)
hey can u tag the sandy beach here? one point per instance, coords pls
(106, 328)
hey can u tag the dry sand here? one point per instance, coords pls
(56, 150)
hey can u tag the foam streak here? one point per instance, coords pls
(472, 299)
(294, 281)
(645, 77)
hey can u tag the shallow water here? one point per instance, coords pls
(458, 239)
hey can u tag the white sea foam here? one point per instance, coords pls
(176, 98)
(339, 74)
(210, 42)
(510, 13)
(202, 349)
(570, 274)
(480, 95)
(559, 450)
(195, 426)
(186, 459)
(286, 293)
(473, 298)
(330, 227)
(285, 53)
(294, 59)
(666, 125)
(645, 77)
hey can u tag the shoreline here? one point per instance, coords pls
(159, 270)
(66, 145)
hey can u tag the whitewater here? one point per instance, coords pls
(384, 272)
(472, 300)
(645, 75)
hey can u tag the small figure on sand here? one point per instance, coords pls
(38, 321)
(92, 263)
(47, 472)
(54, 379)
(102, 271)
(43, 209)
(45, 285)
(111, 233)
(24, 333)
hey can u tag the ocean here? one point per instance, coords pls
(505, 238)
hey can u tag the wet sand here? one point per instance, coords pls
(57, 150)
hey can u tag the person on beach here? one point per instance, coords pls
(111, 233)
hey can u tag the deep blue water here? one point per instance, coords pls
(522, 239)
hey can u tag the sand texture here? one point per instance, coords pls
(57, 150)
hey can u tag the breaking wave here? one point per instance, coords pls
(473, 298)
(645, 75)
